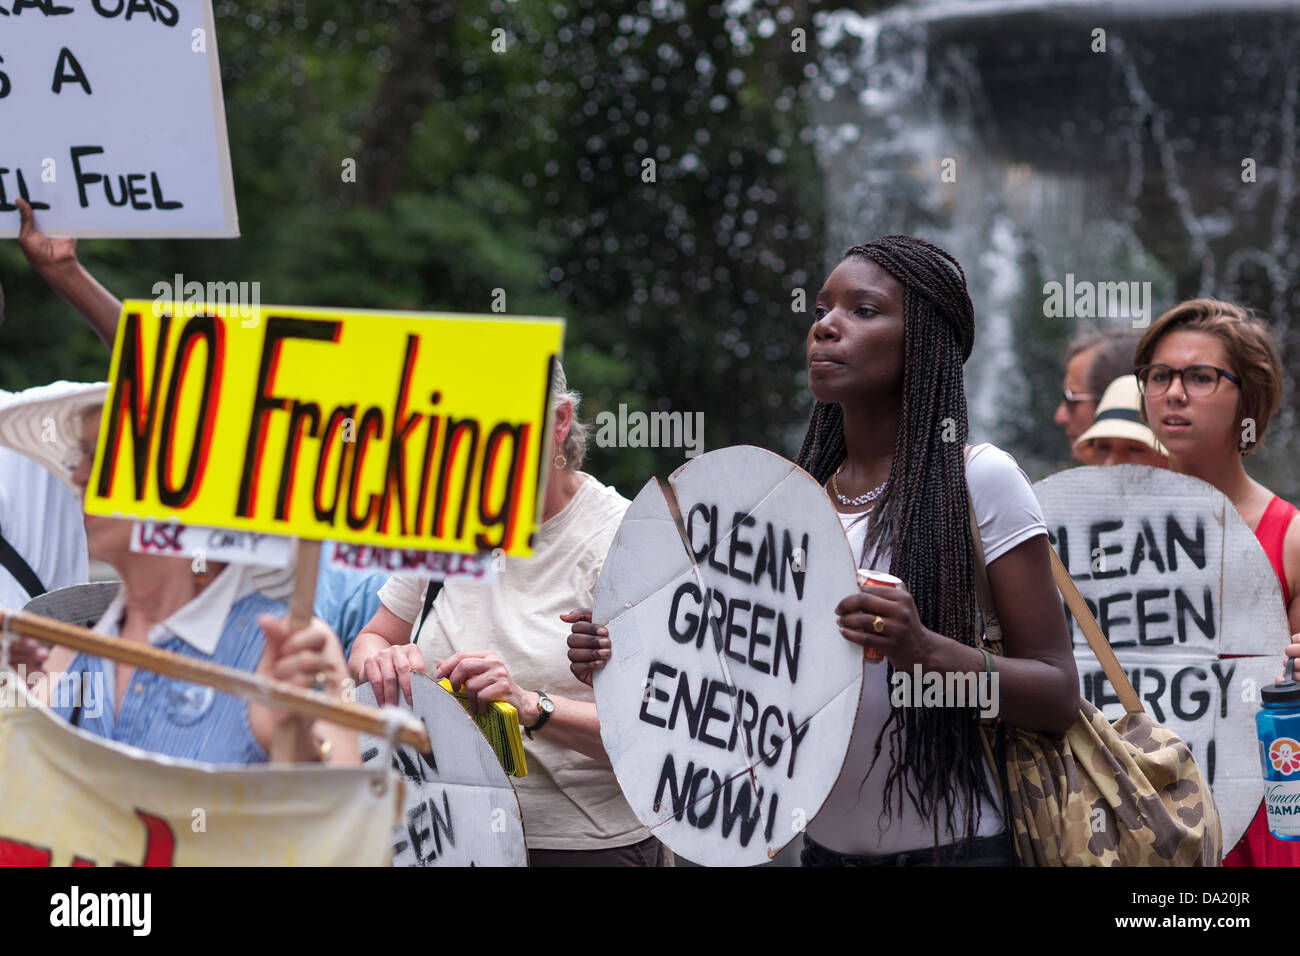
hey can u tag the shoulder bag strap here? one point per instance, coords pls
(1073, 599)
(13, 562)
(1096, 639)
(430, 594)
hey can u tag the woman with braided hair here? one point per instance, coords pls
(893, 326)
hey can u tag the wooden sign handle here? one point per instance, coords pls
(226, 679)
(292, 741)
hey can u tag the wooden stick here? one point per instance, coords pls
(240, 683)
(291, 741)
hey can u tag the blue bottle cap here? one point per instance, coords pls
(1285, 691)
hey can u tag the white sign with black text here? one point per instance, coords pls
(211, 544)
(730, 695)
(1189, 602)
(113, 121)
(458, 807)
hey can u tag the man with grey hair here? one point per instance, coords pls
(1093, 360)
(508, 640)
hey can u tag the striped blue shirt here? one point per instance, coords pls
(171, 717)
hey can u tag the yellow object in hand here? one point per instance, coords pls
(500, 725)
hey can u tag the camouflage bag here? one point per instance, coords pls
(1126, 793)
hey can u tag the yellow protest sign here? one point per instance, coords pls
(400, 429)
(70, 798)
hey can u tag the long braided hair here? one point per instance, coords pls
(936, 756)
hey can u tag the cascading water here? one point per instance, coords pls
(1039, 140)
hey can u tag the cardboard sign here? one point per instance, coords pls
(69, 798)
(360, 427)
(211, 544)
(730, 695)
(459, 808)
(1191, 605)
(113, 119)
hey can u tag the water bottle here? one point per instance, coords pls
(1278, 726)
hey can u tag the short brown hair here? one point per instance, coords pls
(1251, 353)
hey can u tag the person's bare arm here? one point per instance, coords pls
(574, 725)
(1291, 567)
(55, 260)
(1037, 676)
(1038, 683)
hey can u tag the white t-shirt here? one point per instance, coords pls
(850, 820)
(568, 800)
(43, 522)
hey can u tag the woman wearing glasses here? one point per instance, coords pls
(1211, 379)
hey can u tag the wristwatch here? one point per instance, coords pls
(544, 710)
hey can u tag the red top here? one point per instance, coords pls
(1258, 847)
(1271, 531)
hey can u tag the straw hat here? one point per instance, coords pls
(41, 423)
(1117, 416)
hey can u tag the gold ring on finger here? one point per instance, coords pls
(879, 625)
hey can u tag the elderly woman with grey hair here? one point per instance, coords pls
(506, 639)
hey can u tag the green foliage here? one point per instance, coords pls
(519, 170)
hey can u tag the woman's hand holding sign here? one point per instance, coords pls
(389, 669)
(885, 619)
(312, 659)
(485, 678)
(55, 261)
(588, 644)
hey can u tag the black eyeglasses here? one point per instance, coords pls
(1198, 380)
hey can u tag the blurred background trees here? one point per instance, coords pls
(523, 170)
(670, 176)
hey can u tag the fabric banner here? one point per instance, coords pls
(68, 798)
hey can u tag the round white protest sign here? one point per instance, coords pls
(1191, 605)
(730, 695)
(458, 807)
